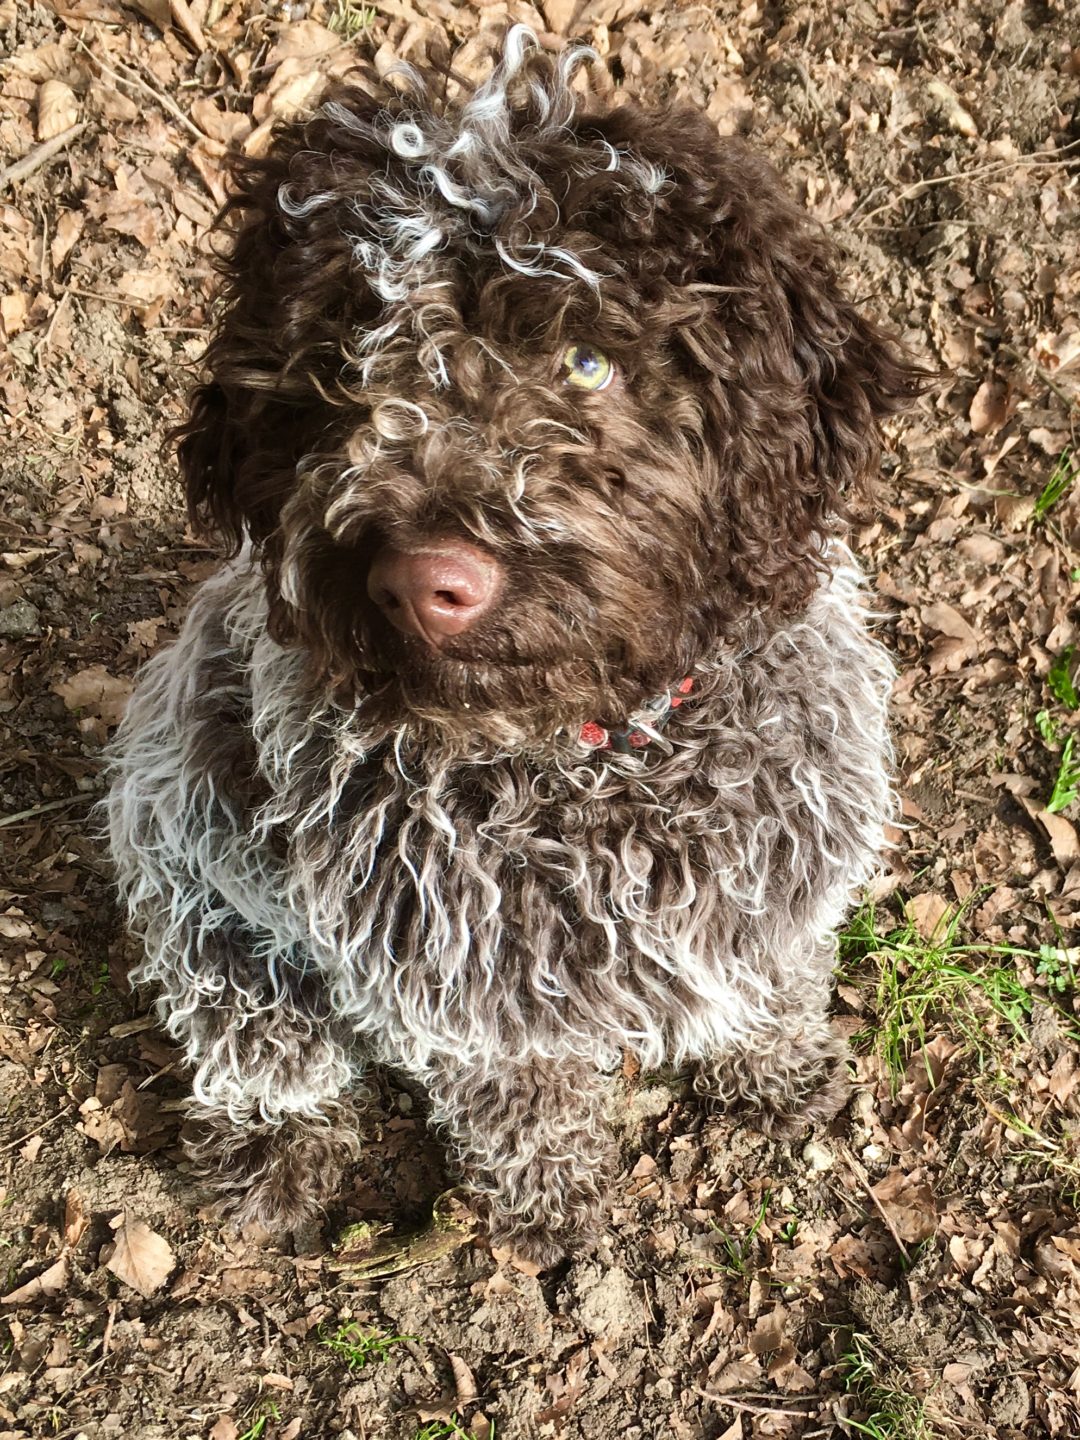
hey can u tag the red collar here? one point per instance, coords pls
(644, 725)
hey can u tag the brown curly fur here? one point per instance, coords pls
(339, 844)
(746, 417)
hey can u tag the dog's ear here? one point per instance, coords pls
(796, 377)
(286, 308)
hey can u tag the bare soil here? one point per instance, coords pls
(933, 1228)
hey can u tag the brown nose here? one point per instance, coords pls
(434, 592)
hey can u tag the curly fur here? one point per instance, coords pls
(340, 846)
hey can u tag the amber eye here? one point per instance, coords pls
(587, 368)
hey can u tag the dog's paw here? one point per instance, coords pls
(787, 1091)
(540, 1247)
(278, 1175)
(815, 1109)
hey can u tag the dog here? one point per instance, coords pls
(534, 720)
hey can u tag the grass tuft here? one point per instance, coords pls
(260, 1417)
(1067, 781)
(919, 980)
(1060, 482)
(891, 1413)
(451, 1429)
(1060, 679)
(348, 19)
(358, 1346)
(738, 1251)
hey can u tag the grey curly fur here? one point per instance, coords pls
(339, 849)
(500, 926)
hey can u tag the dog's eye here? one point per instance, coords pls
(587, 368)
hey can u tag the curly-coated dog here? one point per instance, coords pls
(535, 720)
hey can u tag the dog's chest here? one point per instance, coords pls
(594, 903)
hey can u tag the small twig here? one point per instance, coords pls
(34, 811)
(1063, 395)
(108, 299)
(40, 155)
(747, 1404)
(1034, 161)
(130, 78)
(46, 339)
(864, 1180)
(184, 20)
(45, 1125)
(106, 1337)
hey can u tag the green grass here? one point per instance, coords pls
(1060, 679)
(349, 20)
(260, 1417)
(451, 1429)
(891, 1413)
(358, 1346)
(1060, 482)
(1067, 781)
(919, 981)
(1047, 727)
(738, 1250)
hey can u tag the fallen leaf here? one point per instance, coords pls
(57, 109)
(768, 1333)
(928, 913)
(13, 312)
(76, 1219)
(224, 1429)
(947, 619)
(1061, 832)
(947, 103)
(96, 692)
(909, 1203)
(50, 1282)
(140, 1257)
(69, 226)
(504, 1255)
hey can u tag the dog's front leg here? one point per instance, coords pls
(532, 1137)
(272, 1121)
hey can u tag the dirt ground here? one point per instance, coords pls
(915, 1271)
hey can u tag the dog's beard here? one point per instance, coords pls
(520, 680)
(494, 683)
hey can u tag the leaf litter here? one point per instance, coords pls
(915, 1270)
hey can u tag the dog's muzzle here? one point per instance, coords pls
(437, 591)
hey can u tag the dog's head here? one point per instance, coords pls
(524, 399)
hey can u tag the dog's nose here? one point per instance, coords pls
(437, 591)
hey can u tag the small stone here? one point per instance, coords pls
(20, 619)
(819, 1157)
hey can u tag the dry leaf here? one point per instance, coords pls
(947, 619)
(97, 693)
(57, 109)
(503, 1255)
(69, 226)
(989, 407)
(158, 12)
(13, 312)
(32, 1149)
(909, 1203)
(948, 105)
(1061, 832)
(224, 1429)
(76, 1219)
(50, 1282)
(768, 1333)
(929, 914)
(1056, 351)
(140, 1257)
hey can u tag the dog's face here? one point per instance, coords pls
(525, 400)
